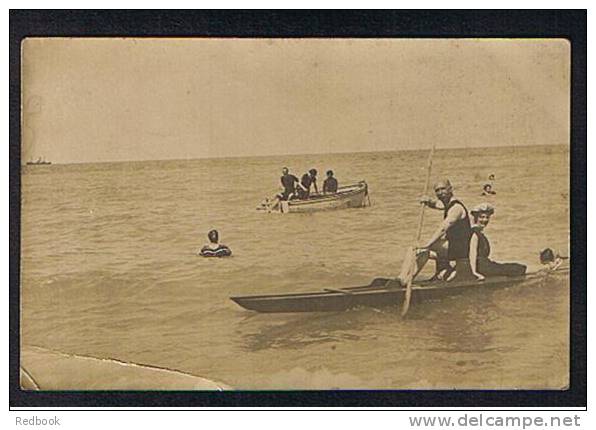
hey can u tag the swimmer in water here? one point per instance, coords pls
(550, 259)
(487, 190)
(214, 248)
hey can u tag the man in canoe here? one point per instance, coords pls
(307, 180)
(330, 184)
(450, 243)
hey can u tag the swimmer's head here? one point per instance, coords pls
(313, 172)
(547, 256)
(285, 171)
(213, 236)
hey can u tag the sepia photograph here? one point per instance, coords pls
(295, 213)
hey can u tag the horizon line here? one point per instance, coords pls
(299, 154)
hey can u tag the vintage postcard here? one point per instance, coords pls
(295, 214)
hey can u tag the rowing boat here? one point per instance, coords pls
(382, 292)
(349, 196)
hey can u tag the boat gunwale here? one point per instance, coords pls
(323, 198)
(420, 286)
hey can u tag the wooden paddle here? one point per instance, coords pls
(410, 260)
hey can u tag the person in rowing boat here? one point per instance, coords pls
(288, 182)
(214, 248)
(330, 184)
(308, 179)
(482, 266)
(450, 241)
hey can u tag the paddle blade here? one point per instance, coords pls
(408, 267)
(409, 270)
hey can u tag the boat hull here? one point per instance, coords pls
(351, 196)
(376, 295)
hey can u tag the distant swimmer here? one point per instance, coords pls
(487, 190)
(308, 179)
(330, 184)
(551, 259)
(480, 263)
(214, 248)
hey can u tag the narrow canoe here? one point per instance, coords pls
(349, 196)
(380, 293)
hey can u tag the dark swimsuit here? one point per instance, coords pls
(306, 182)
(458, 235)
(288, 181)
(487, 267)
(458, 245)
(220, 251)
(330, 185)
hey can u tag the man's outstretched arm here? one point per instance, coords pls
(453, 215)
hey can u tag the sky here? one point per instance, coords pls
(116, 99)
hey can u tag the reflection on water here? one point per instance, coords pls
(449, 331)
(302, 330)
(109, 269)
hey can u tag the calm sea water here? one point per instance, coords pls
(109, 269)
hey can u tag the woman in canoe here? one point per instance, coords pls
(214, 248)
(482, 266)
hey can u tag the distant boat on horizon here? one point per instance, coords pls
(39, 161)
